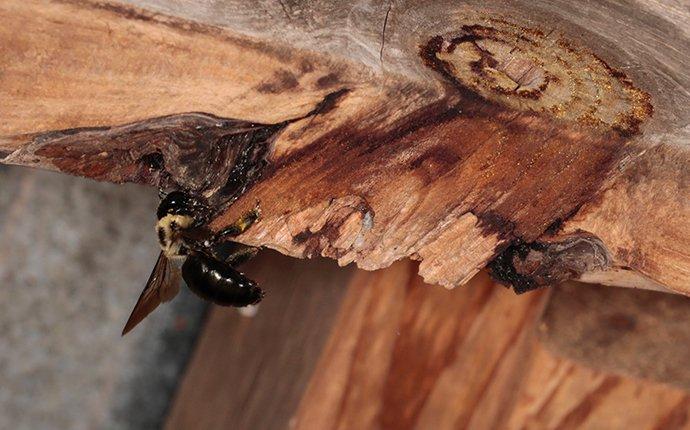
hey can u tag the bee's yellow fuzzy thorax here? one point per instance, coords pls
(168, 229)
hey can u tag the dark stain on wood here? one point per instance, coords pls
(153, 160)
(250, 161)
(626, 331)
(533, 169)
(197, 152)
(527, 266)
(428, 54)
(329, 102)
(677, 417)
(542, 168)
(474, 34)
(282, 80)
(555, 226)
(492, 222)
(328, 81)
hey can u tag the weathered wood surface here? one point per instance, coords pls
(404, 355)
(640, 333)
(442, 132)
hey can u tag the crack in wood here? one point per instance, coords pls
(383, 32)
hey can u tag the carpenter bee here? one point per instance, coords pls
(184, 238)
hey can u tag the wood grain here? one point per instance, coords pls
(654, 251)
(559, 394)
(405, 356)
(249, 373)
(491, 124)
(70, 64)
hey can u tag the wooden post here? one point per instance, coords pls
(394, 353)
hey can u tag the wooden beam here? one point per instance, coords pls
(490, 128)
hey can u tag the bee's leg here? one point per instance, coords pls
(242, 255)
(239, 226)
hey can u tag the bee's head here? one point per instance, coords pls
(177, 211)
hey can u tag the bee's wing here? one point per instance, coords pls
(162, 286)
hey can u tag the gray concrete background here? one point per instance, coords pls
(74, 257)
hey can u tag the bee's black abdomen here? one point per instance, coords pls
(219, 283)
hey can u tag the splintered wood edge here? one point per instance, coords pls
(493, 148)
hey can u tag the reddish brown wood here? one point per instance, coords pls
(491, 124)
(249, 373)
(404, 355)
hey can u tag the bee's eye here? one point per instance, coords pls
(174, 226)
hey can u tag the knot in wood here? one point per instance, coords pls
(529, 69)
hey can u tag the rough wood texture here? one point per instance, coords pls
(446, 133)
(403, 355)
